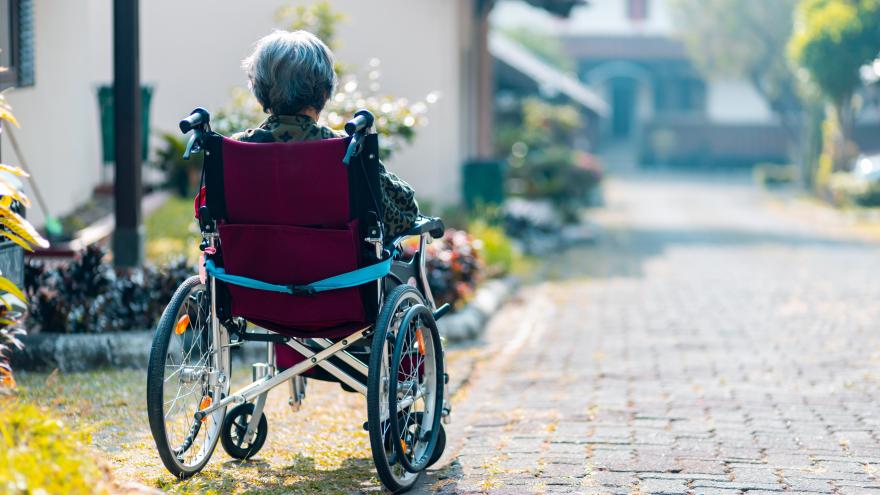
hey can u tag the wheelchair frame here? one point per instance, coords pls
(318, 352)
(258, 389)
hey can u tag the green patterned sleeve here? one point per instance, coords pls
(399, 201)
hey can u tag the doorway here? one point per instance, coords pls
(623, 107)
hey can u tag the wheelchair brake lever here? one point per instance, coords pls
(194, 145)
(354, 148)
(191, 147)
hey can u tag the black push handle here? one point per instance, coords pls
(197, 118)
(363, 119)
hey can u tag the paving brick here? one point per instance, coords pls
(706, 343)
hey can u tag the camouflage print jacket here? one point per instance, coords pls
(398, 197)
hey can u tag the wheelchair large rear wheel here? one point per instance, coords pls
(404, 389)
(188, 370)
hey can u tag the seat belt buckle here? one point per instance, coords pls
(302, 290)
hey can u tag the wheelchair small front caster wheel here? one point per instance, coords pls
(234, 431)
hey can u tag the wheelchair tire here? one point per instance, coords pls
(439, 447)
(233, 441)
(391, 473)
(181, 360)
(414, 449)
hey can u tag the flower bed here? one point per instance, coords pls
(88, 296)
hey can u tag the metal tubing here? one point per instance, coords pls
(256, 417)
(423, 271)
(256, 388)
(345, 357)
(331, 368)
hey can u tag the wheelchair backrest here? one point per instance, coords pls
(298, 184)
(294, 213)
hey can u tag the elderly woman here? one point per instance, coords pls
(292, 76)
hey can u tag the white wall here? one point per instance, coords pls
(191, 52)
(600, 17)
(735, 102)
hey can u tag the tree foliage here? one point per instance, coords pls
(14, 228)
(547, 48)
(833, 39)
(744, 39)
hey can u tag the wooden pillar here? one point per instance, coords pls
(128, 236)
(485, 84)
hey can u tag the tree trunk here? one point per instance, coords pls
(845, 148)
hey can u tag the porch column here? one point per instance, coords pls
(128, 236)
(485, 83)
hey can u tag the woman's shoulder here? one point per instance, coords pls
(256, 135)
(286, 128)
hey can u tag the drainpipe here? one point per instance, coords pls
(128, 235)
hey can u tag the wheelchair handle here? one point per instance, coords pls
(197, 118)
(363, 119)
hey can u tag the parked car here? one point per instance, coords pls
(867, 168)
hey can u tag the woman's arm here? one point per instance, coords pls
(399, 201)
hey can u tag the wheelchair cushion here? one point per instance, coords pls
(283, 254)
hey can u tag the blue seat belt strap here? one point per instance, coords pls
(351, 279)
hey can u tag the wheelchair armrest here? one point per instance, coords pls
(431, 225)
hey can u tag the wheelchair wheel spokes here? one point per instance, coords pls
(414, 393)
(187, 370)
(404, 399)
(186, 374)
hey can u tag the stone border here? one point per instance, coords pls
(469, 322)
(82, 352)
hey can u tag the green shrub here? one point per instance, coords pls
(40, 455)
(845, 189)
(13, 228)
(775, 175)
(182, 176)
(500, 255)
(870, 198)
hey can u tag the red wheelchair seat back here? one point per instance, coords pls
(292, 214)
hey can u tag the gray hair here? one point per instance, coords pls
(291, 71)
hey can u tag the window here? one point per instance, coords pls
(16, 43)
(637, 10)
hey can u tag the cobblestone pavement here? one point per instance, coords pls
(706, 344)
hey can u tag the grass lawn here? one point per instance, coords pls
(172, 231)
(321, 449)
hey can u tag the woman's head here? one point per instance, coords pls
(290, 72)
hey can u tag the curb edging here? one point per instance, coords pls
(131, 349)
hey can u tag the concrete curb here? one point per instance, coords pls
(83, 352)
(131, 349)
(468, 322)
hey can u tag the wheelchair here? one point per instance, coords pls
(293, 243)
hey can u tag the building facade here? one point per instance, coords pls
(191, 54)
(660, 107)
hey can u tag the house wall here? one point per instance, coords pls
(600, 18)
(191, 53)
(736, 102)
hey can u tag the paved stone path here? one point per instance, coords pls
(707, 344)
